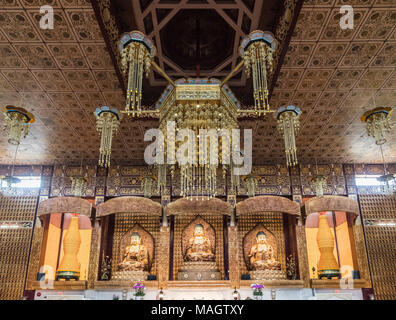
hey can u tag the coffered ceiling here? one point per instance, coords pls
(62, 75)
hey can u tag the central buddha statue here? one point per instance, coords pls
(199, 247)
(261, 255)
(136, 256)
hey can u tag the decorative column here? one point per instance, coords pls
(94, 255)
(303, 265)
(163, 257)
(35, 253)
(361, 251)
(233, 256)
(69, 267)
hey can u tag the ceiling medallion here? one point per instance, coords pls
(17, 121)
(378, 125)
(288, 126)
(203, 104)
(107, 123)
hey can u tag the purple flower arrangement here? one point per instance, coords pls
(257, 289)
(139, 288)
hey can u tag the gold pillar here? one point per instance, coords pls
(69, 267)
(328, 265)
(163, 258)
(361, 252)
(233, 256)
(93, 269)
(302, 251)
(34, 261)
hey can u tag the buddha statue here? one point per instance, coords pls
(199, 247)
(136, 256)
(261, 255)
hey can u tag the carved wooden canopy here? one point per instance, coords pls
(267, 204)
(65, 205)
(331, 203)
(198, 205)
(131, 205)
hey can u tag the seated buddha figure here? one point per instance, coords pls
(261, 255)
(199, 247)
(136, 255)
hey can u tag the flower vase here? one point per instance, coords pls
(258, 297)
(139, 297)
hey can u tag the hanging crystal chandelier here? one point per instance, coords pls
(378, 123)
(79, 186)
(17, 121)
(251, 184)
(198, 104)
(107, 122)
(79, 183)
(147, 186)
(388, 181)
(257, 52)
(288, 126)
(8, 182)
(318, 184)
(137, 52)
(195, 105)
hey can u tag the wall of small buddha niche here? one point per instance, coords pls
(125, 180)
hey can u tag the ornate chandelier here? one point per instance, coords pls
(251, 184)
(78, 186)
(257, 52)
(107, 122)
(318, 184)
(288, 126)
(147, 186)
(378, 123)
(137, 52)
(17, 121)
(79, 183)
(196, 105)
(8, 182)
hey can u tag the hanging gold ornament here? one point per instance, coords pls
(107, 123)
(288, 126)
(199, 104)
(137, 52)
(147, 186)
(378, 123)
(318, 184)
(257, 52)
(251, 184)
(79, 186)
(17, 121)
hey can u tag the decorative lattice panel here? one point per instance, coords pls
(15, 243)
(123, 223)
(183, 221)
(273, 222)
(381, 242)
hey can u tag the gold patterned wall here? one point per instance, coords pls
(123, 223)
(273, 222)
(181, 222)
(15, 243)
(381, 243)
